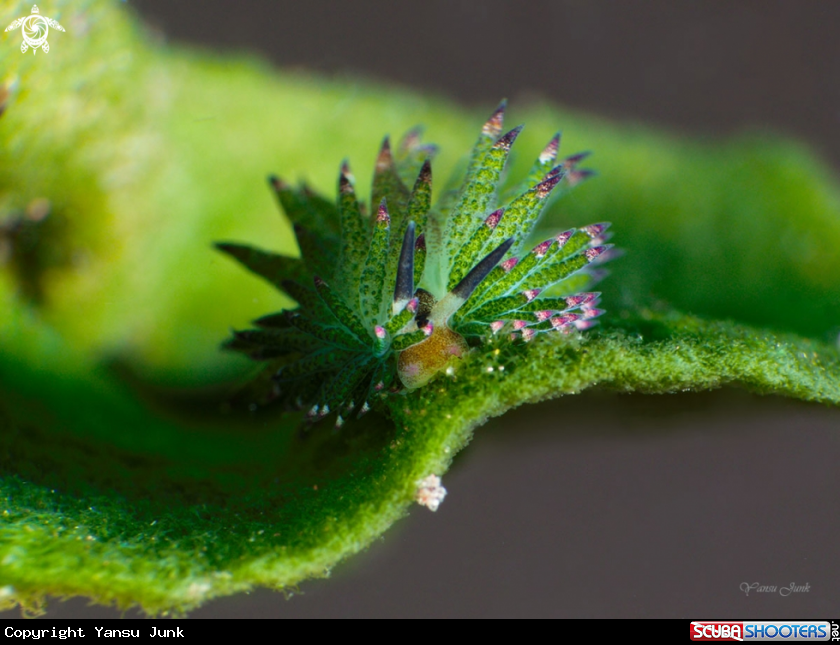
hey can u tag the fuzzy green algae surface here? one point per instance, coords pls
(124, 477)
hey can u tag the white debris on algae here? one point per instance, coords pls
(429, 492)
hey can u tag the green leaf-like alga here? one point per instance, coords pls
(122, 161)
(168, 512)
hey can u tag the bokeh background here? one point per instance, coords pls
(595, 505)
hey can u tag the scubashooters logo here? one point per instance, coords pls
(760, 630)
(35, 29)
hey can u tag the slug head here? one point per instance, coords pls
(418, 364)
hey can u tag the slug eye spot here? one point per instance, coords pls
(426, 302)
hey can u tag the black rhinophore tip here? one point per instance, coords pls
(466, 286)
(404, 287)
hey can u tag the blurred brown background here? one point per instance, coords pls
(628, 506)
(708, 67)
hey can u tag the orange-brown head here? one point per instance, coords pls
(419, 363)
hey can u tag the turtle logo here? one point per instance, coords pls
(35, 29)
